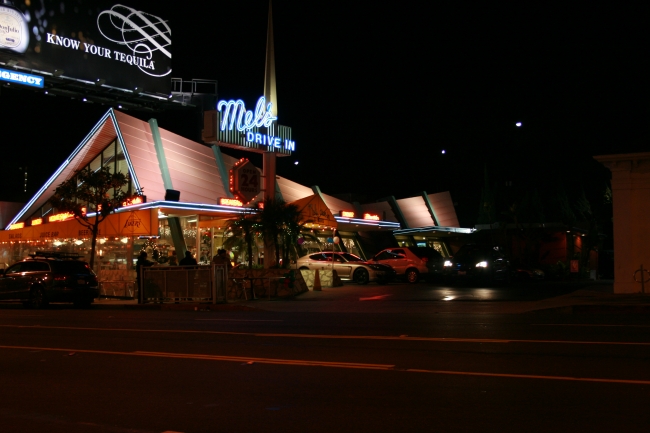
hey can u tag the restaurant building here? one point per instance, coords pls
(188, 204)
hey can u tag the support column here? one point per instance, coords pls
(631, 201)
(174, 222)
(269, 194)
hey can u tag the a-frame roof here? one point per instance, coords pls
(314, 212)
(191, 165)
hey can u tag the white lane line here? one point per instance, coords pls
(313, 363)
(340, 337)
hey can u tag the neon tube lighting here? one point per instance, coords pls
(63, 166)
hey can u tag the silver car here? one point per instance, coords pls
(348, 267)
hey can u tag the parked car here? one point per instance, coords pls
(49, 277)
(486, 262)
(412, 262)
(348, 267)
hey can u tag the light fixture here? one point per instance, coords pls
(137, 90)
(100, 81)
(58, 72)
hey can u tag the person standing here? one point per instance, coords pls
(188, 260)
(142, 261)
(221, 258)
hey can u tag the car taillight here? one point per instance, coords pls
(59, 277)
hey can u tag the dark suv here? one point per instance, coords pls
(486, 262)
(49, 277)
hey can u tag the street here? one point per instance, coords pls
(349, 359)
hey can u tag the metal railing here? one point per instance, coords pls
(183, 284)
(117, 289)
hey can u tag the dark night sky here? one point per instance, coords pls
(374, 94)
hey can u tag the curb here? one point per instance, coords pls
(597, 309)
(176, 307)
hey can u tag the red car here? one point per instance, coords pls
(412, 262)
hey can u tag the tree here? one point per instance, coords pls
(280, 226)
(245, 229)
(96, 193)
(291, 230)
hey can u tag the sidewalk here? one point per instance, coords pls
(588, 297)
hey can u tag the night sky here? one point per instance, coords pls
(375, 94)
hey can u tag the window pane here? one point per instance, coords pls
(122, 167)
(95, 163)
(109, 157)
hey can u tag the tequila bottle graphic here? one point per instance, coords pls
(14, 34)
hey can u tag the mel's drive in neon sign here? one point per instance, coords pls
(235, 115)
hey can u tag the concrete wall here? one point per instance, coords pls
(631, 199)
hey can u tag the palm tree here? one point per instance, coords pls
(292, 229)
(280, 224)
(242, 233)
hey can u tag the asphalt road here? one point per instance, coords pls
(304, 366)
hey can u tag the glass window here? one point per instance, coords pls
(34, 267)
(15, 269)
(350, 257)
(385, 255)
(71, 267)
(95, 164)
(108, 157)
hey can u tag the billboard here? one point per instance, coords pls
(93, 40)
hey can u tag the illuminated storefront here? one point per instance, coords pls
(188, 205)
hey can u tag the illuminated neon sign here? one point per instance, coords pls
(61, 217)
(235, 114)
(367, 216)
(346, 214)
(230, 202)
(16, 226)
(269, 140)
(37, 221)
(21, 78)
(133, 201)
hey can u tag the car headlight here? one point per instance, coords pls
(447, 263)
(482, 264)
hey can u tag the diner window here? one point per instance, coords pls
(95, 164)
(108, 157)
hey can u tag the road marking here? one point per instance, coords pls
(236, 320)
(374, 298)
(588, 324)
(340, 337)
(311, 363)
(241, 359)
